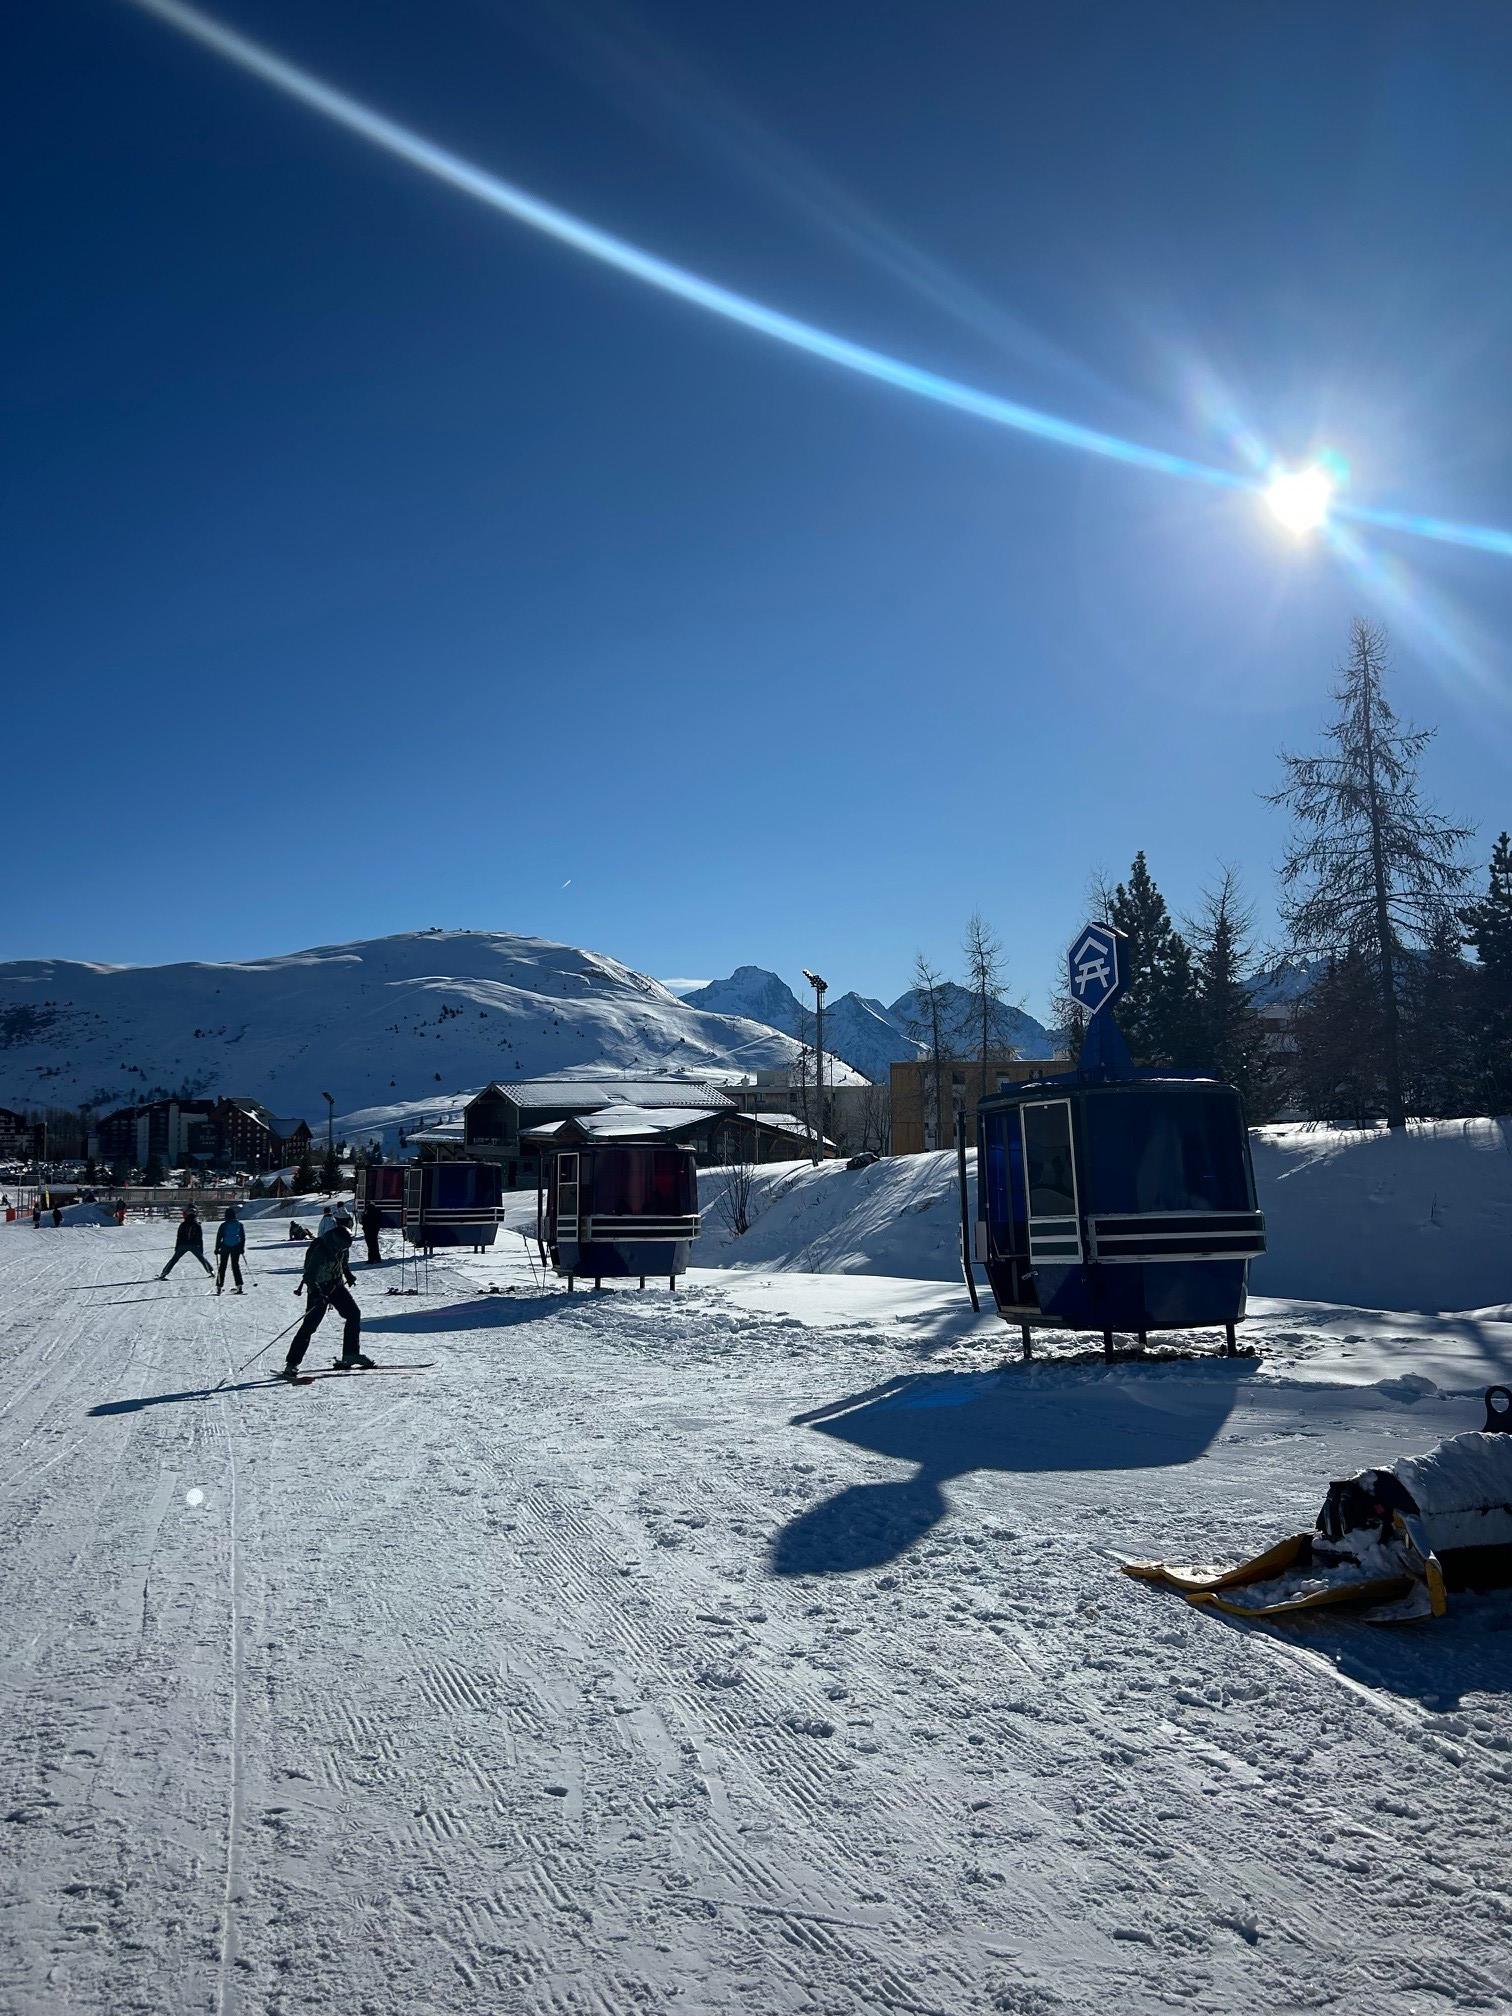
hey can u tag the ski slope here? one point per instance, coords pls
(758, 1651)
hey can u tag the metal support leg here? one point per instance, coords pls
(569, 1284)
(643, 1280)
(1142, 1336)
(1230, 1348)
(1107, 1343)
(1028, 1338)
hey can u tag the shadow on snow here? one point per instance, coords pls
(1026, 1419)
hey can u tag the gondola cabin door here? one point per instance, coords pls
(567, 1196)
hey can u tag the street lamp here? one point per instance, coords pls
(820, 987)
(330, 1126)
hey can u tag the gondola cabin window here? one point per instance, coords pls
(1170, 1149)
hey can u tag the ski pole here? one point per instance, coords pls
(266, 1347)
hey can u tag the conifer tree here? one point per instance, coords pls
(1487, 924)
(304, 1175)
(1158, 1013)
(1437, 1015)
(984, 983)
(1233, 1036)
(930, 1027)
(1371, 866)
(1335, 1065)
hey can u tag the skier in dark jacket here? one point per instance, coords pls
(327, 1277)
(191, 1239)
(372, 1225)
(230, 1244)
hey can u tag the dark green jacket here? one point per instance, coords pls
(325, 1261)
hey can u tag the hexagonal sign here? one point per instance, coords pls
(1095, 967)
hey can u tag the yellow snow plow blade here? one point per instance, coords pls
(1205, 1581)
(1325, 1596)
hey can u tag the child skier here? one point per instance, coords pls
(230, 1243)
(327, 1277)
(191, 1239)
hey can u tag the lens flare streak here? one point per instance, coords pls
(575, 232)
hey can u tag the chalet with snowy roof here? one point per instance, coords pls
(252, 1138)
(510, 1122)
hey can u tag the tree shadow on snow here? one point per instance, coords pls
(1035, 1418)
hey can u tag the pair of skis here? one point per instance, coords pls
(340, 1371)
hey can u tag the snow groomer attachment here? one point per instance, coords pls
(1111, 1198)
(614, 1200)
(1392, 1543)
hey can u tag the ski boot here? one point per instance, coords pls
(358, 1362)
(289, 1372)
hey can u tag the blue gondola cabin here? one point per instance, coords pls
(1113, 1199)
(382, 1183)
(613, 1207)
(452, 1204)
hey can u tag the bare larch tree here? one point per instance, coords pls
(1371, 868)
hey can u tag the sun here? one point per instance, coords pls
(1299, 498)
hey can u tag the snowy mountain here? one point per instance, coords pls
(756, 994)
(380, 1022)
(1031, 1039)
(867, 1035)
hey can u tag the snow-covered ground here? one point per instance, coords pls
(761, 1650)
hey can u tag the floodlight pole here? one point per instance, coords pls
(819, 986)
(330, 1124)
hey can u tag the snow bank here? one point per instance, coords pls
(1421, 1220)
(1415, 1221)
(900, 1216)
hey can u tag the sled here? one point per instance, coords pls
(1388, 1544)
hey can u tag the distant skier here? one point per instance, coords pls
(37, 1217)
(190, 1239)
(372, 1225)
(230, 1244)
(57, 1215)
(327, 1277)
(327, 1220)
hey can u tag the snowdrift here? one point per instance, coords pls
(1421, 1221)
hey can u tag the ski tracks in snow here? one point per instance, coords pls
(482, 1693)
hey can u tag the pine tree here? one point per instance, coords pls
(984, 983)
(1437, 1026)
(1371, 866)
(1487, 926)
(330, 1171)
(1335, 1065)
(930, 1026)
(1158, 1013)
(304, 1176)
(1233, 1036)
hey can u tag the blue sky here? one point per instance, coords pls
(373, 562)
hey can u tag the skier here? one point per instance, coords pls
(230, 1244)
(57, 1216)
(36, 1217)
(326, 1279)
(191, 1239)
(327, 1220)
(372, 1225)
